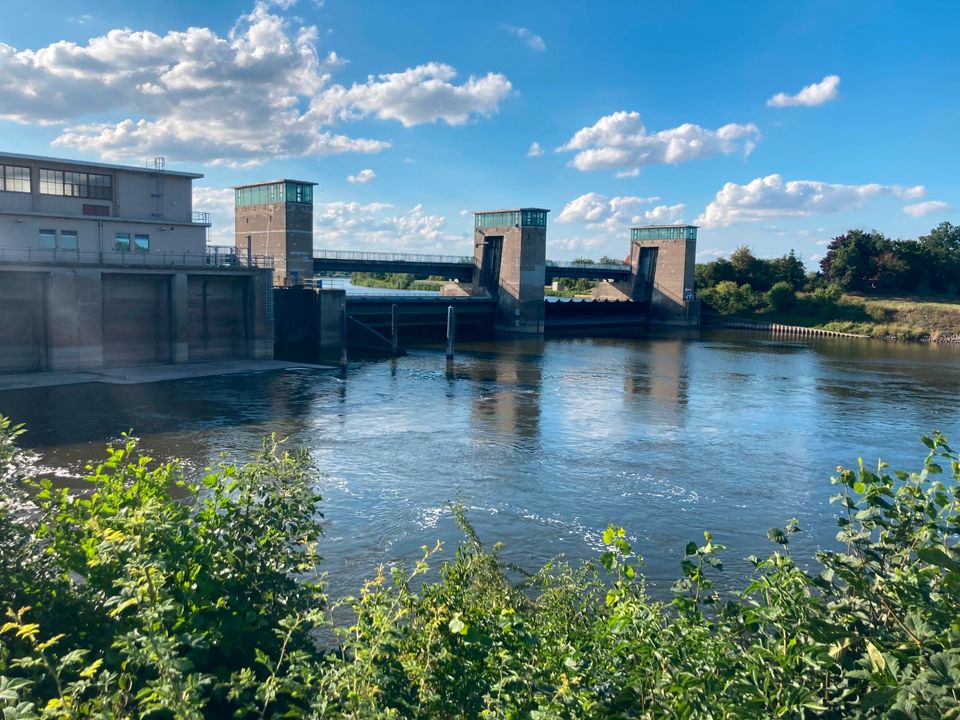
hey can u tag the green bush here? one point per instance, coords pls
(781, 297)
(728, 298)
(125, 602)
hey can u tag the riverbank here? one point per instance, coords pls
(914, 319)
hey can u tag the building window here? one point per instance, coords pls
(141, 243)
(121, 242)
(68, 240)
(76, 184)
(48, 239)
(14, 178)
(96, 210)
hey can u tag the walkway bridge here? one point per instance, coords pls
(450, 267)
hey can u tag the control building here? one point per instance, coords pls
(107, 265)
(276, 219)
(88, 211)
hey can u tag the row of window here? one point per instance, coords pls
(674, 232)
(14, 178)
(64, 240)
(525, 218)
(121, 243)
(275, 192)
(76, 184)
(67, 240)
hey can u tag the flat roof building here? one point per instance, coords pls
(93, 212)
(107, 265)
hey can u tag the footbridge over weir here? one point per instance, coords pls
(499, 288)
(450, 267)
(509, 268)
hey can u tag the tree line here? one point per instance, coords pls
(857, 261)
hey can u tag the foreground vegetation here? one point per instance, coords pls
(123, 602)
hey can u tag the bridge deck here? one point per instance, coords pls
(449, 267)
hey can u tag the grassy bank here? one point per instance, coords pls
(893, 318)
(132, 601)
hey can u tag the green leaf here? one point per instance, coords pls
(937, 556)
(691, 549)
(876, 657)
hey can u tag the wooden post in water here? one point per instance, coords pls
(394, 331)
(343, 333)
(451, 329)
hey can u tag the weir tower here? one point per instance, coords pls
(510, 251)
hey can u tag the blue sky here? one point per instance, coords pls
(770, 124)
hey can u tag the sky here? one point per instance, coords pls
(773, 125)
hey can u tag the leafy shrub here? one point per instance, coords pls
(728, 298)
(781, 297)
(210, 608)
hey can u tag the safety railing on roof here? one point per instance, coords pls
(210, 258)
(573, 264)
(392, 257)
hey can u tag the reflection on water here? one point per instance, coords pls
(547, 440)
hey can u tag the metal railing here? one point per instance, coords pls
(211, 258)
(578, 265)
(200, 217)
(392, 257)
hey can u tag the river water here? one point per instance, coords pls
(546, 441)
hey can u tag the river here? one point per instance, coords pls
(546, 441)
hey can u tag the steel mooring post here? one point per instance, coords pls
(451, 329)
(343, 333)
(394, 331)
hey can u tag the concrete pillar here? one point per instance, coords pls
(520, 259)
(74, 319)
(179, 318)
(330, 304)
(672, 278)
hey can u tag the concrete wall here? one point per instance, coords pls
(21, 233)
(217, 317)
(23, 320)
(281, 230)
(136, 319)
(83, 318)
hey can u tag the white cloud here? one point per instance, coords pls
(615, 214)
(707, 254)
(533, 41)
(770, 197)
(364, 176)
(263, 90)
(919, 210)
(219, 202)
(814, 94)
(535, 150)
(620, 141)
(80, 19)
(423, 94)
(377, 226)
(665, 214)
